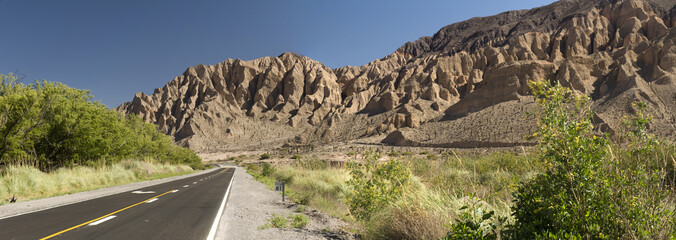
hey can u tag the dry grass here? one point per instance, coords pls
(26, 182)
(320, 188)
(440, 187)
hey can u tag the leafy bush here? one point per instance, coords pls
(473, 223)
(375, 185)
(54, 126)
(586, 192)
(267, 169)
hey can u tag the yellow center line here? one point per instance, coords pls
(96, 219)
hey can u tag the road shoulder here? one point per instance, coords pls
(250, 205)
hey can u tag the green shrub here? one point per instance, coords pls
(264, 156)
(300, 209)
(276, 222)
(394, 154)
(267, 169)
(299, 220)
(375, 185)
(253, 168)
(586, 192)
(474, 223)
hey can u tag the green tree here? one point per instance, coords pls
(54, 125)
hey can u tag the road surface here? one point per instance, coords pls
(180, 209)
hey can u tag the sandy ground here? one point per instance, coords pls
(250, 205)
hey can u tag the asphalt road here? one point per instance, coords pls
(181, 209)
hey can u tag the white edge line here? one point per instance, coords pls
(152, 200)
(217, 220)
(102, 220)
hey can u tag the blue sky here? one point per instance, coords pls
(119, 47)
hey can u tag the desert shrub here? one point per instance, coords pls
(276, 221)
(394, 154)
(299, 220)
(264, 156)
(253, 168)
(585, 192)
(375, 185)
(301, 208)
(296, 157)
(267, 169)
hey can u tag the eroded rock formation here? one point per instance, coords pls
(466, 86)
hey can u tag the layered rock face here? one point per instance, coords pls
(466, 86)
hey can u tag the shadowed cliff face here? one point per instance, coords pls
(465, 86)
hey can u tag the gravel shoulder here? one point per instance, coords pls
(250, 204)
(23, 207)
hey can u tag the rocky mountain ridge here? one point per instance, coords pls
(466, 86)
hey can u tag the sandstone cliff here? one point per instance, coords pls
(463, 87)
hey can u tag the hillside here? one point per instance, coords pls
(463, 87)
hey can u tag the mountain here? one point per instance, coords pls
(466, 86)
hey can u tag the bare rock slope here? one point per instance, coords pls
(466, 86)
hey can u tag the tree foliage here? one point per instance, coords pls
(52, 125)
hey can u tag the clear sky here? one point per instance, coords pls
(116, 48)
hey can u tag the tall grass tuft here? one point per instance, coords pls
(322, 188)
(417, 214)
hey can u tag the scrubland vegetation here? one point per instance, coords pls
(52, 138)
(576, 184)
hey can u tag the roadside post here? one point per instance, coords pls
(279, 187)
